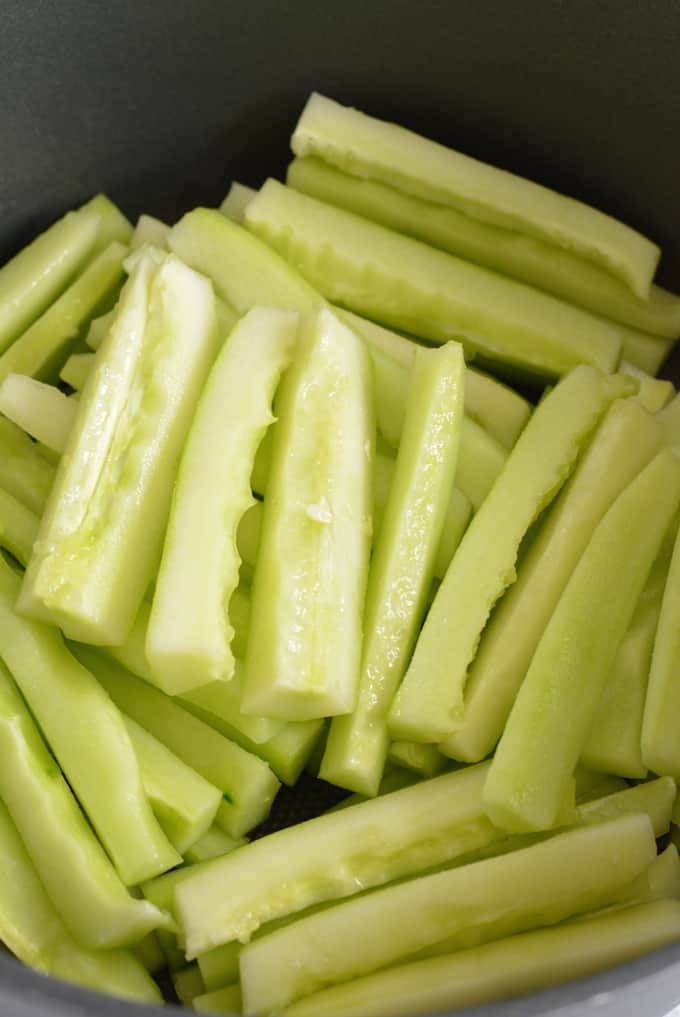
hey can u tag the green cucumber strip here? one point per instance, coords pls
(369, 148)
(189, 634)
(101, 533)
(36, 935)
(550, 720)
(239, 616)
(99, 329)
(80, 880)
(18, 527)
(648, 352)
(669, 418)
(496, 407)
(24, 472)
(302, 660)
(547, 882)
(402, 566)
(429, 704)
(590, 785)
(659, 749)
(654, 393)
(236, 200)
(248, 534)
(42, 348)
(614, 742)
(223, 700)
(425, 760)
(655, 798)
(188, 984)
(95, 754)
(184, 803)
(77, 369)
(457, 517)
(41, 410)
(213, 844)
(246, 782)
(481, 460)
(519, 964)
(149, 230)
(392, 387)
(394, 779)
(39, 273)
(625, 441)
(226, 1000)
(148, 952)
(386, 838)
(219, 967)
(509, 252)
(405, 284)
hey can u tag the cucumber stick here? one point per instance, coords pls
(654, 393)
(24, 472)
(429, 704)
(659, 749)
(302, 659)
(509, 252)
(76, 370)
(374, 149)
(31, 928)
(226, 1000)
(557, 702)
(408, 285)
(648, 352)
(95, 754)
(512, 967)
(555, 879)
(425, 760)
(41, 410)
(371, 843)
(625, 441)
(37, 275)
(99, 329)
(18, 527)
(184, 803)
(188, 642)
(654, 797)
(212, 844)
(614, 742)
(101, 532)
(149, 230)
(42, 349)
(246, 782)
(402, 566)
(223, 701)
(79, 879)
(236, 200)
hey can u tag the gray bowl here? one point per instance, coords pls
(161, 103)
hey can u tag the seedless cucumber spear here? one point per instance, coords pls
(373, 149)
(188, 642)
(79, 878)
(626, 439)
(95, 752)
(302, 660)
(576, 871)
(555, 707)
(31, 928)
(24, 472)
(402, 566)
(408, 285)
(101, 532)
(429, 704)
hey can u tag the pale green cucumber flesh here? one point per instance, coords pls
(236, 201)
(558, 699)
(41, 410)
(76, 370)
(24, 472)
(18, 527)
(212, 844)
(149, 230)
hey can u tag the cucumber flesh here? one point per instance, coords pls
(42, 348)
(149, 230)
(302, 660)
(18, 527)
(402, 566)
(212, 844)
(188, 642)
(659, 749)
(614, 742)
(99, 329)
(545, 883)
(366, 147)
(509, 252)
(102, 529)
(512, 967)
(558, 700)
(425, 760)
(78, 877)
(41, 410)
(377, 841)
(237, 198)
(77, 369)
(625, 441)
(655, 797)
(24, 472)
(429, 704)
(407, 285)
(646, 351)
(223, 701)
(654, 393)
(247, 783)
(95, 755)
(226, 1000)
(480, 462)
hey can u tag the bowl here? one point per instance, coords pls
(161, 104)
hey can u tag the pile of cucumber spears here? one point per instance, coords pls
(269, 501)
